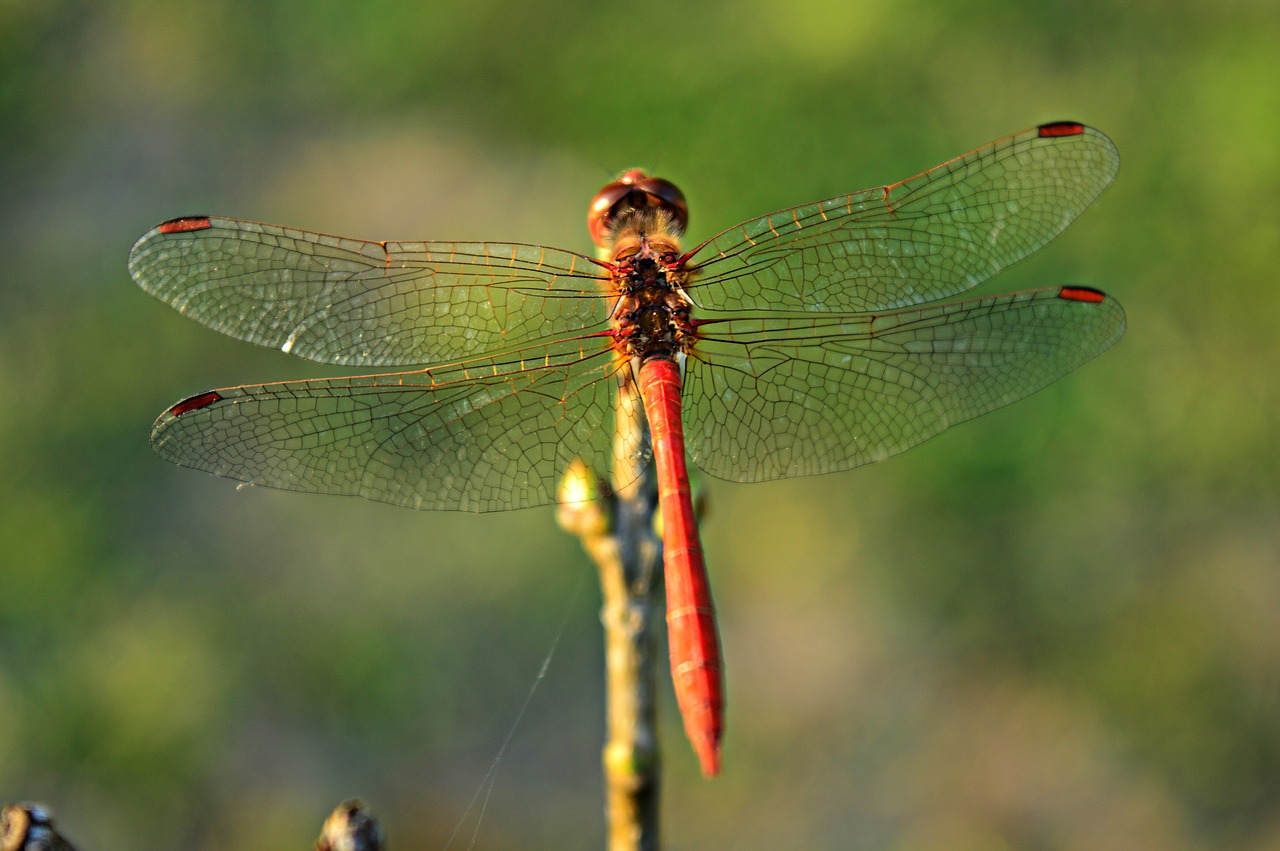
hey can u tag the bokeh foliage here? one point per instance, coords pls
(1053, 628)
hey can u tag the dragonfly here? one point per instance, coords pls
(801, 342)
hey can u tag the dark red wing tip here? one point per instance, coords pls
(1088, 294)
(195, 403)
(184, 224)
(1060, 128)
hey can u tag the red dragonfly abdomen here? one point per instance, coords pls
(691, 621)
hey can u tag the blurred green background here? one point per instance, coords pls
(1053, 628)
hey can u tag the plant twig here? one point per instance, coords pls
(350, 828)
(29, 827)
(618, 533)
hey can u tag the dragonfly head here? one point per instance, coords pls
(634, 190)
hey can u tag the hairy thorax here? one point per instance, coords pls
(653, 316)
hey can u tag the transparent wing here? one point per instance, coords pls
(485, 435)
(775, 397)
(921, 239)
(358, 303)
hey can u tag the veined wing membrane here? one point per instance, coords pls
(484, 435)
(924, 238)
(801, 395)
(346, 301)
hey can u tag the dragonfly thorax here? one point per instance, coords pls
(653, 317)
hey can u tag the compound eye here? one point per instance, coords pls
(633, 190)
(601, 213)
(665, 194)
